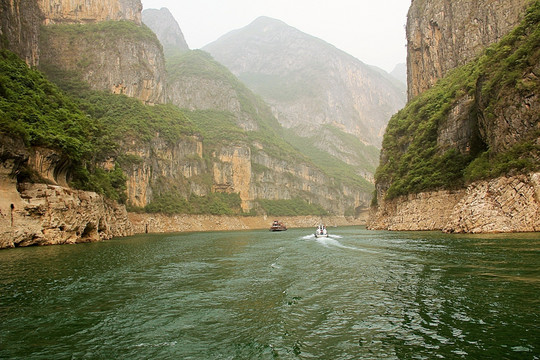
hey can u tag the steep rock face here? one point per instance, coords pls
(307, 82)
(276, 179)
(89, 11)
(49, 215)
(197, 82)
(196, 93)
(118, 57)
(505, 204)
(166, 28)
(444, 34)
(230, 169)
(232, 172)
(492, 121)
(19, 29)
(161, 165)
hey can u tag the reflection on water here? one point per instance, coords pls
(260, 295)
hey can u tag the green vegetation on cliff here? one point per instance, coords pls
(222, 127)
(219, 127)
(92, 130)
(412, 160)
(342, 172)
(104, 30)
(35, 110)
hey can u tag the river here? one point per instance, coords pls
(357, 294)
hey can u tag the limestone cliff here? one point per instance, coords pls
(47, 214)
(307, 82)
(20, 21)
(102, 41)
(329, 101)
(89, 11)
(197, 82)
(162, 166)
(505, 204)
(120, 57)
(444, 34)
(233, 169)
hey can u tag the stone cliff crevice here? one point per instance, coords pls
(444, 34)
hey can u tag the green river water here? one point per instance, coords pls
(260, 295)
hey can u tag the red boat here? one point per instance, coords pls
(277, 226)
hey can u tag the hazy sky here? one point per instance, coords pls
(371, 30)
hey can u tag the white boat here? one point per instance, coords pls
(321, 231)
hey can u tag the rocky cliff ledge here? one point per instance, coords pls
(444, 34)
(49, 215)
(505, 204)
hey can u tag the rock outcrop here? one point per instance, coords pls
(20, 21)
(164, 25)
(197, 82)
(161, 166)
(105, 43)
(121, 57)
(231, 169)
(444, 34)
(505, 204)
(490, 120)
(47, 214)
(90, 11)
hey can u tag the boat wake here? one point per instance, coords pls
(332, 242)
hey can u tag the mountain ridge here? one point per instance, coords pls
(282, 64)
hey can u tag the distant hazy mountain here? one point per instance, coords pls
(167, 30)
(311, 85)
(400, 73)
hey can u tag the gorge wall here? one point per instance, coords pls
(20, 22)
(231, 169)
(164, 25)
(308, 82)
(120, 55)
(89, 11)
(491, 111)
(444, 34)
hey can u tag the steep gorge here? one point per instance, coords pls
(87, 138)
(332, 101)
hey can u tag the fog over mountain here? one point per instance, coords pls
(309, 83)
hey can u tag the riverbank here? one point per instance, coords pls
(506, 204)
(159, 223)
